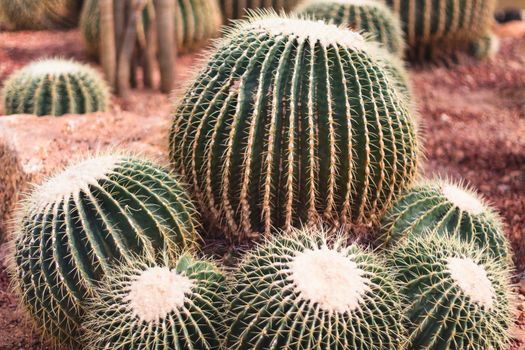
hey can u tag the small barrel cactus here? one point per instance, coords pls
(166, 306)
(293, 121)
(305, 291)
(55, 87)
(77, 225)
(235, 9)
(443, 207)
(41, 14)
(368, 16)
(484, 47)
(459, 297)
(439, 28)
(195, 22)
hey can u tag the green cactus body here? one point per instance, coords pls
(41, 14)
(55, 87)
(443, 207)
(195, 20)
(163, 307)
(293, 121)
(458, 296)
(437, 28)
(486, 46)
(304, 291)
(367, 16)
(235, 9)
(74, 227)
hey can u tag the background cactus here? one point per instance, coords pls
(486, 46)
(195, 22)
(435, 28)
(41, 14)
(150, 306)
(443, 207)
(368, 16)
(304, 291)
(74, 227)
(459, 296)
(55, 87)
(293, 121)
(235, 9)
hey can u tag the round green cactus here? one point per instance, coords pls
(368, 16)
(486, 46)
(55, 87)
(150, 306)
(196, 21)
(443, 207)
(305, 291)
(459, 296)
(74, 227)
(235, 9)
(41, 14)
(293, 121)
(440, 28)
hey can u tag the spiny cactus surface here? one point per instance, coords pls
(77, 225)
(368, 16)
(150, 306)
(293, 121)
(459, 296)
(443, 207)
(305, 291)
(438, 28)
(55, 87)
(195, 20)
(41, 14)
(235, 9)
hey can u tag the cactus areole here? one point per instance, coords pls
(292, 121)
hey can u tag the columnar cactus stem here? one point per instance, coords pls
(459, 296)
(77, 225)
(55, 87)
(444, 207)
(367, 16)
(303, 290)
(294, 121)
(236, 9)
(145, 305)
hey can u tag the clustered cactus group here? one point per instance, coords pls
(293, 133)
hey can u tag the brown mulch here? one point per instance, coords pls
(473, 118)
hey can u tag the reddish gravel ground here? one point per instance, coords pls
(473, 119)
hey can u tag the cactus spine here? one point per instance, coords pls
(149, 306)
(74, 227)
(195, 22)
(305, 291)
(436, 28)
(459, 296)
(367, 16)
(293, 121)
(443, 207)
(236, 9)
(55, 87)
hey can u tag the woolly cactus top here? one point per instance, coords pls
(463, 199)
(54, 66)
(328, 278)
(305, 29)
(156, 292)
(472, 279)
(75, 179)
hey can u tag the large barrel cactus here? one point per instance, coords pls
(76, 226)
(305, 291)
(293, 121)
(438, 28)
(459, 296)
(38, 14)
(235, 9)
(195, 21)
(443, 207)
(158, 306)
(368, 16)
(55, 87)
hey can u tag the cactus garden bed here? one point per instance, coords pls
(472, 116)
